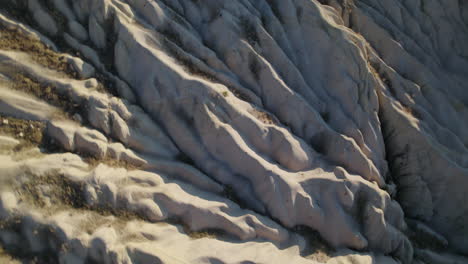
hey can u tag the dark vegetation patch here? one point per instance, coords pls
(63, 192)
(20, 12)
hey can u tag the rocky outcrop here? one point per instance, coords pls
(251, 120)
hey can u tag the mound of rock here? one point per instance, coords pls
(217, 131)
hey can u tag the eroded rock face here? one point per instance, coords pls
(249, 119)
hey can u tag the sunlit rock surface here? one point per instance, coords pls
(247, 131)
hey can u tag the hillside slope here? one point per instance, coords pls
(247, 131)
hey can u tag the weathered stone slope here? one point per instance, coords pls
(247, 131)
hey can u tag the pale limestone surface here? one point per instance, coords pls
(341, 116)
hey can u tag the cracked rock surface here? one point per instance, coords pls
(221, 131)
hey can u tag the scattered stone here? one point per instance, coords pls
(77, 117)
(83, 69)
(91, 83)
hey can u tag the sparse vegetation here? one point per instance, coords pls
(203, 234)
(94, 162)
(264, 117)
(60, 191)
(30, 133)
(45, 92)
(14, 40)
(40, 53)
(225, 93)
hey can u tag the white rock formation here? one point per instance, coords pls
(252, 118)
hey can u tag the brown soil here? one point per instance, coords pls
(40, 53)
(30, 133)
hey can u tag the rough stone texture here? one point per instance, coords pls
(84, 70)
(42, 18)
(250, 119)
